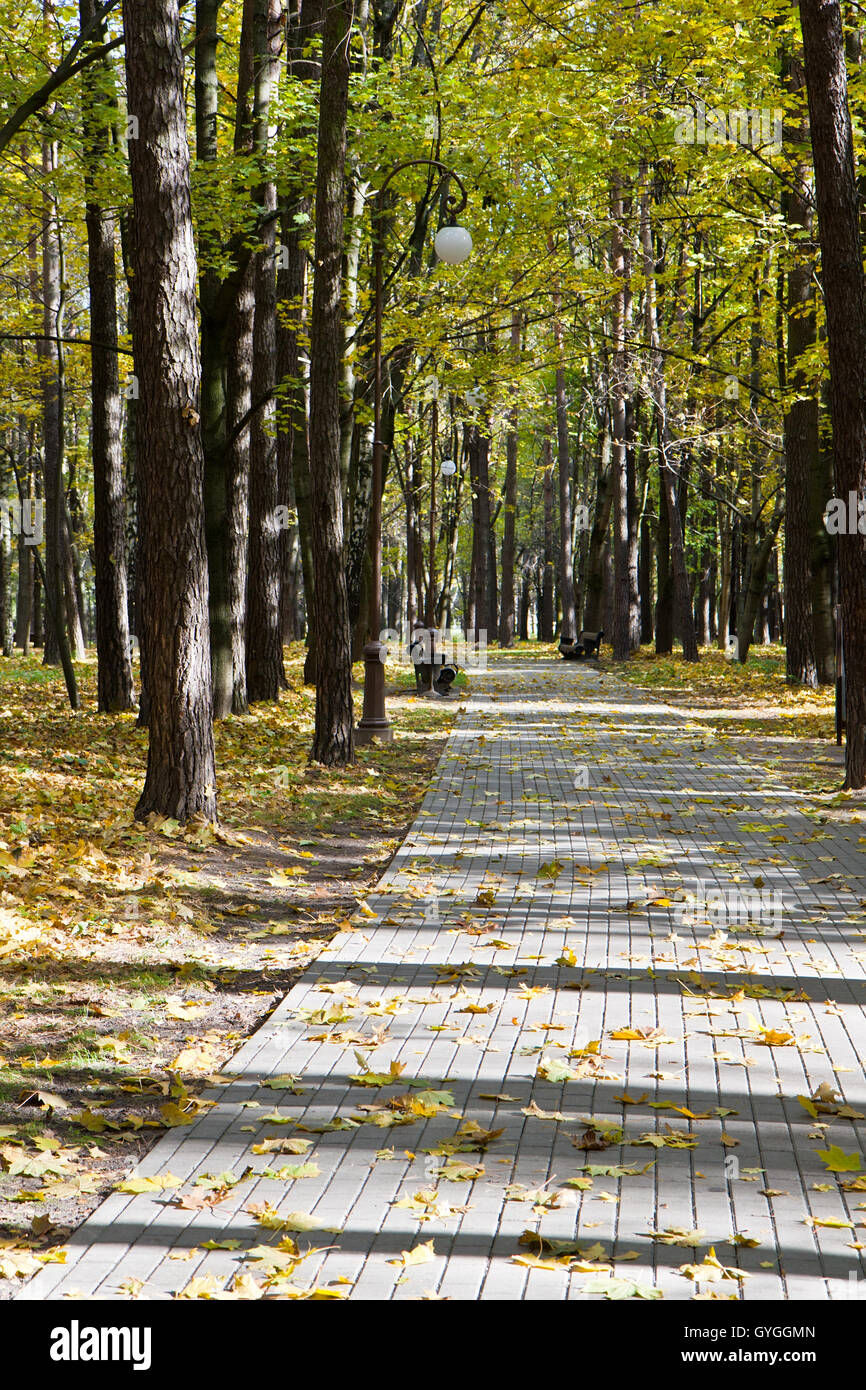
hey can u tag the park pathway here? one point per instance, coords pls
(549, 896)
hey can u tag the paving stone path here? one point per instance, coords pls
(585, 861)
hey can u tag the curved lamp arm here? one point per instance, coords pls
(455, 205)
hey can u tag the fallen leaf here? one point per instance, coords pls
(156, 1184)
(418, 1255)
(837, 1161)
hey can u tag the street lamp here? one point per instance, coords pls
(452, 245)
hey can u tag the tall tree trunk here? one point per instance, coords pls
(360, 495)
(492, 585)
(823, 562)
(524, 605)
(333, 743)
(304, 21)
(669, 473)
(6, 620)
(115, 688)
(632, 408)
(724, 548)
(239, 398)
(845, 302)
(664, 580)
(547, 614)
(568, 631)
(293, 439)
(618, 393)
(52, 424)
(215, 310)
(219, 295)
(800, 438)
(24, 597)
(57, 542)
(593, 602)
(509, 536)
(645, 580)
(265, 673)
(756, 583)
(479, 455)
(754, 533)
(38, 609)
(412, 597)
(24, 601)
(181, 776)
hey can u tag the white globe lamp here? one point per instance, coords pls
(453, 245)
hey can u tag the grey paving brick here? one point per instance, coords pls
(542, 883)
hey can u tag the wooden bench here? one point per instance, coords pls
(588, 645)
(434, 672)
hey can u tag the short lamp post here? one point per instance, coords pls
(452, 245)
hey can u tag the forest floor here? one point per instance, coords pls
(135, 960)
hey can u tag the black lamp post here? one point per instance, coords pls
(452, 245)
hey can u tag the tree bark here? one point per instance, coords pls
(547, 613)
(219, 294)
(845, 301)
(669, 472)
(264, 659)
(6, 619)
(568, 630)
(801, 444)
(664, 640)
(823, 563)
(333, 742)
(239, 398)
(181, 777)
(215, 310)
(592, 611)
(48, 350)
(618, 391)
(304, 20)
(509, 529)
(115, 687)
(265, 672)
(479, 454)
(645, 580)
(60, 634)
